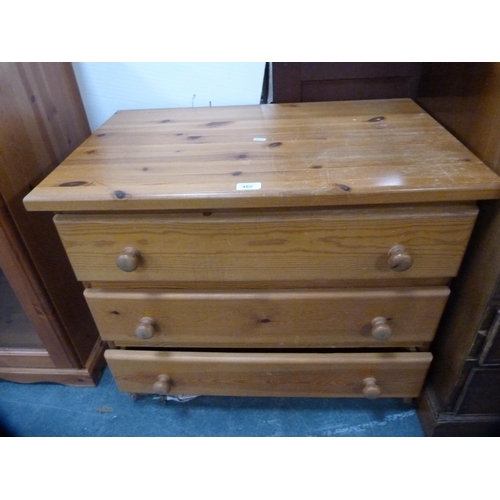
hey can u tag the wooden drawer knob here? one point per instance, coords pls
(162, 385)
(381, 329)
(371, 390)
(145, 329)
(128, 260)
(399, 259)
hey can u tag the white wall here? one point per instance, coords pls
(108, 87)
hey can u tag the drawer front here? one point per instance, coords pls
(268, 374)
(288, 246)
(381, 317)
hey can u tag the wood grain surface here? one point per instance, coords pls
(270, 374)
(337, 153)
(42, 122)
(333, 244)
(302, 318)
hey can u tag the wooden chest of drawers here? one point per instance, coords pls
(276, 250)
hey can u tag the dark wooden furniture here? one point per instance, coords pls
(462, 393)
(46, 331)
(309, 81)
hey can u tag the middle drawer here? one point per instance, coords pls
(275, 319)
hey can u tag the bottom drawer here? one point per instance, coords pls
(270, 374)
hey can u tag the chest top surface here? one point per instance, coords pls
(274, 155)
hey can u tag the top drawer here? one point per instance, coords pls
(336, 244)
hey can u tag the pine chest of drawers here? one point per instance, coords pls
(275, 250)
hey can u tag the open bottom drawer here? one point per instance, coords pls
(386, 374)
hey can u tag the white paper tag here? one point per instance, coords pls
(248, 186)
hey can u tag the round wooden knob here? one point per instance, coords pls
(381, 329)
(399, 259)
(128, 260)
(371, 390)
(145, 329)
(162, 385)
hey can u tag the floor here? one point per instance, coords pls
(53, 410)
